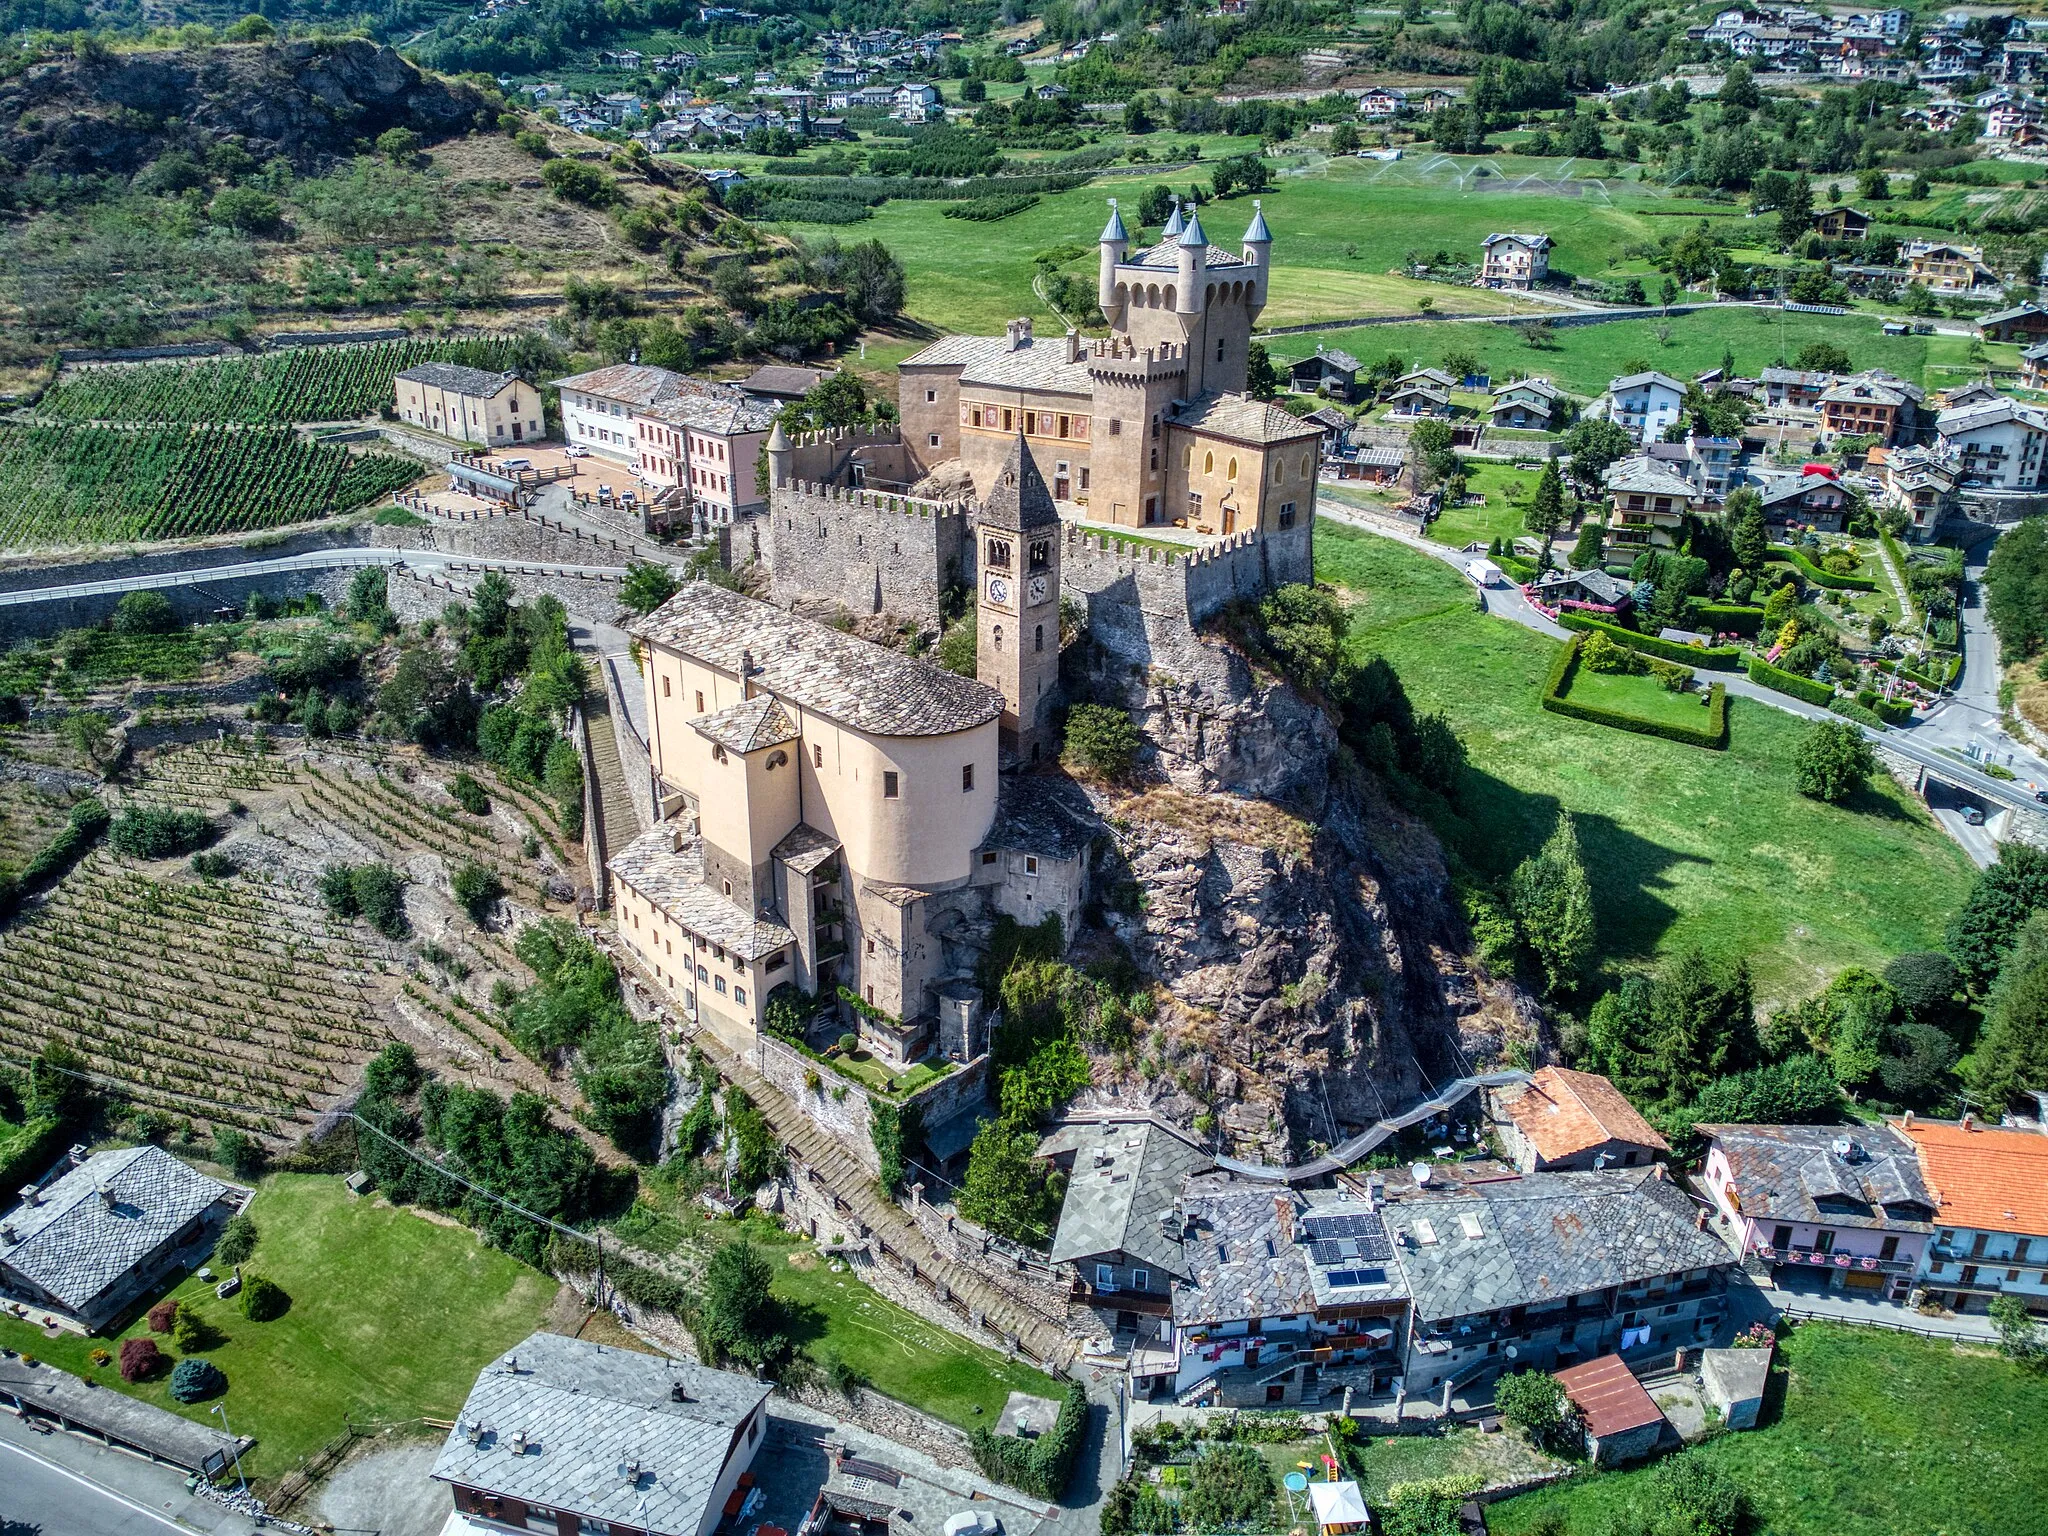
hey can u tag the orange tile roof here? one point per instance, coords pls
(1564, 1112)
(1607, 1393)
(1985, 1177)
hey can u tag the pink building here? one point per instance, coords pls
(1825, 1208)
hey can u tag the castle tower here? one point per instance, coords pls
(1258, 253)
(1191, 258)
(1115, 244)
(1133, 391)
(1017, 646)
(780, 456)
(1184, 298)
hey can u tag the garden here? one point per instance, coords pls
(387, 1318)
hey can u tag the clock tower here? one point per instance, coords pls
(1018, 607)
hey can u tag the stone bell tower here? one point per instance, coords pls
(1018, 610)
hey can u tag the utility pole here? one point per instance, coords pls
(234, 1448)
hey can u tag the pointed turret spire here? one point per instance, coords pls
(1019, 498)
(1114, 229)
(1192, 236)
(778, 440)
(1174, 225)
(1258, 233)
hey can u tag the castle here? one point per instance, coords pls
(844, 818)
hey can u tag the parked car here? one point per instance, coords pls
(576, 451)
(1972, 816)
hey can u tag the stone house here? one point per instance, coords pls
(1794, 386)
(1561, 1120)
(1329, 372)
(1529, 404)
(1120, 1233)
(1513, 261)
(1648, 504)
(469, 404)
(2025, 323)
(1623, 1423)
(1734, 1381)
(1874, 404)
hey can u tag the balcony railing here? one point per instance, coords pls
(1818, 1258)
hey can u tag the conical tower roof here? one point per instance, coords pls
(1019, 499)
(1258, 232)
(778, 440)
(1192, 236)
(1114, 229)
(1174, 225)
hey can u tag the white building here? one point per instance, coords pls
(672, 431)
(1645, 403)
(1997, 445)
(1514, 261)
(469, 404)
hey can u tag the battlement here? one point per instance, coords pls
(866, 551)
(1119, 360)
(845, 437)
(789, 496)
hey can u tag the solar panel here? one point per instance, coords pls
(1325, 1254)
(1348, 1279)
(1342, 1226)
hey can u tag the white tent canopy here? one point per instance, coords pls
(1337, 1503)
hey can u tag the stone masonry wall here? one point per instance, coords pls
(844, 1110)
(868, 551)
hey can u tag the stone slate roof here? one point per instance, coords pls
(1783, 1172)
(1610, 591)
(1542, 387)
(1044, 814)
(627, 383)
(1019, 500)
(1350, 1256)
(723, 412)
(1243, 419)
(782, 381)
(2017, 312)
(1343, 361)
(1239, 1260)
(1040, 363)
(815, 667)
(1631, 380)
(1124, 1177)
(1533, 242)
(1643, 475)
(804, 848)
(1992, 413)
(1435, 376)
(475, 382)
(1794, 376)
(1544, 1237)
(590, 1415)
(747, 726)
(74, 1244)
(672, 878)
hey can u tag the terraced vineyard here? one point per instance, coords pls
(237, 1004)
(62, 486)
(210, 776)
(333, 383)
(27, 822)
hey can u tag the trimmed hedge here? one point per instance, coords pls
(1722, 658)
(1735, 618)
(1038, 1467)
(1781, 681)
(1849, 709)
(1817, 576)
(1714, 735)
(31, 1150)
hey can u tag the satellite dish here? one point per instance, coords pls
(1513, 1352)
(1420, 1172)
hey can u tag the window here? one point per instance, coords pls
(1219, 349)
(890, 784)
(931, 440)
(1208, 463)
(1038, 638)
(1155, 459)
(988, 858)
(700, 701)
(664, 687)
(1276, 471)
(1194, 504)
(931, 396)
(1116, 426)
(1230, 471)
(1890, 1250)
(1009, 418)
(1084, 477)
(967, 778)
(996, 636)
(999, 552)
(718, 982)
(1030, 422)
(1155, 427)
(817, 756)
(1030, 863)
(1781, 1237)
(717, 753)
(728, 888)
(777, 961)
(739, 995)
(1105, 1276)
(702, 974)
(871, 946)
(1141, 1279)
(1286, 514)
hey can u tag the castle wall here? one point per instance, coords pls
(869, 551)
(1144, 602)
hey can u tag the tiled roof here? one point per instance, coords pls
(1239, 1262)
(626, 383)
(1986, 1177)
(1991, 413)
(1645, 476)
(1124, 1177)
(74, 1243)
(1607, 1394)
(1042, 813)
(1037, 364)
(1631, 380)
(672, 878)
(605, 1433)
(1564, 1113)
(1534, 242)
(1242, 419)
(747, 726)
(815, 667)
(1544, 1237)
(1784, 1172)
(474, 382)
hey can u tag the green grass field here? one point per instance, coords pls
(1865, 1434)
(1644, 697)
(392, 1316)
(1684, 846)
(1507, 491)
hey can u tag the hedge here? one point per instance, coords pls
(30, 1152)
(1721, 658)
(1898, 557)
(1734, 618)
(1778, 679)
(1714, 735)
(1819, 577)
(1038, 1467)
(1849, 709)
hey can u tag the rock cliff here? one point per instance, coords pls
(311, 102)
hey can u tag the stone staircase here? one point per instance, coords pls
(618, 819)
(854, 1190)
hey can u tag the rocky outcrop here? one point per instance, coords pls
(311, 102)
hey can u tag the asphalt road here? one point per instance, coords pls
(65, 1485)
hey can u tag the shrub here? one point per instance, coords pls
(1713, 734)
(1819, 577)
(1780, 681)
(1728, 618)
(263, 1300)
(477, 887)
(194, 1333)
(1102, 741)
(212, 866)
(237, 1242)
(164, 1315)
(240, 1151)
(1716, 659)
(372, 891)
(196, 1380)
(144, 613)
(140, 1359)
(144, 833)
(576, 182)
(470, 795)
(1038, 1467)
(1832, 761)
(1535, 1403)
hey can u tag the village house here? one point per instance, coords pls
(2034, 366)
(1793, 386)
(1825, 1207)
(1622, 1421)
(1592, 590)
(1648, 503)
(469, 404)
(1328, 372)
(1842, 224)
(1943, 267)
(1645, 403)
(565, 1435)
(2026, 323)
(674, 433)
(1380, 103)
(1922, 481)
(628, 59)
(1117, 1234)
(1999, 445)
(1513, 261)
(1873, 404)
(1527, 404)
(1151, 425)
(1565, 1121)
(1814, 498)
(95, 1238)
(1990, 1189)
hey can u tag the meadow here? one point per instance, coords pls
(1684, 846)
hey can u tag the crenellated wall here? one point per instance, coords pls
(869, 551)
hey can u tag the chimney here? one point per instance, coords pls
(106, 1192)
(31, 1195)
(1969, 1121)
(7, 1232)
(1073, 345)
(1283, 1209)
(1907, 1120)
(78, 1155)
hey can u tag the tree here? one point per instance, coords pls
(398, 145)
(1833, 761)
(1137, 118)
(2020, 1337)
(575, 182)
(1262, 379)
(1749, 539)
(247, 211)
(194, 1381)
(88, 732)
(140, 1359)
(1591, 546)
(1928, 983)
(1343, 139)
(237, 1242)
(478, 888)
(1663, 1038)
(1553, 905)
(1848, 1022)
(1594, 446)
(144, 613)
(2016, 589)
(1795, 214)
(194, 1333)
(1824, 357)
(369, 594)
(1799, 1090)
(1102, 740)
(263, 1299)
(2012, 1051)
(239, 1151)
(739, 1318)
(1007, 1188)
(2001, 900)
(839, 401)
(1231, 1486)
(1535, 1403)
(1546, 511)
(1738, 88)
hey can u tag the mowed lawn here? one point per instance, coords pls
(1583, 358)
(1684, 845)
(392, 1316)
(1865, 1434)
(1643, 696)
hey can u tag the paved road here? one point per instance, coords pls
(432, 561)
(65, 1485)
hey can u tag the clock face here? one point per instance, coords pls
(1037, 589)
(998, 589)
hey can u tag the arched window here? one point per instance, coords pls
(1304, 466)
(1208, 463)
(1277, 471)
(999, 637)
(1230, 473)
(1038, 639)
